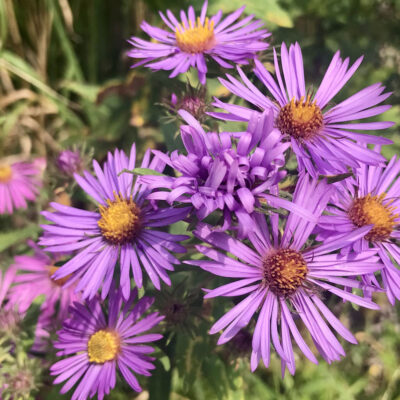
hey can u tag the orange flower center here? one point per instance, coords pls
(300, 119)
(59, 282)
(120, 220)
(197, 38)
(284, 271)
(103, 346)
(370, 210)
(5, 173)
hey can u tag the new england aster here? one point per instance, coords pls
(220, 173)
(19, 182)
(280, 275)
(320, 135)
(34, 279)
(192, 39)
(373, 199)
(98, 342)
(121, 229)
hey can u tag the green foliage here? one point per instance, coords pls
(270, 11)
(65, 80)
(13, 237)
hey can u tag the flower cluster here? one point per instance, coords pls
(293, 210)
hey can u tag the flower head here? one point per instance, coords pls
(191, 99)
(96, 343)
(220, 173)
(282, 276)
(193, 38)
(122, 229)
(69, 162)
(321, 136)
(18, 182)
(35, 278)
(371, 199)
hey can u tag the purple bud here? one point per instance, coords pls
(69, 162)
(174, 99)
(194, 105)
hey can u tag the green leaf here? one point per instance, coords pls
(268, 10)
(142, 172)
(8, 239)
(337, 178)
(22, 69)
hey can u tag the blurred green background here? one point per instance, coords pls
(65, 80)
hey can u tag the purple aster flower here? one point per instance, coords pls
(189, 41)
(121, 229)
(34, 279)
(98, 343)
(321, 136)
(18, 182)
(69, 162)
(284, 278)
(219, 173)
(372, 199)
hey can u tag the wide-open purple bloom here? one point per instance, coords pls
(122, 229)
(18, 182)
(222, 173)
(192, 39)
(98, 342)
(34, 279)
(321, 135)
(371, 199)
(284, 278)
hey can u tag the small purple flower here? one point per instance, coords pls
(320, 136)
(372, 199)
(190, 40)
(98, 343)
(284, 278)
(18, 182)
(34, 279)
(219, 173)
(121, 229)
(69, 162)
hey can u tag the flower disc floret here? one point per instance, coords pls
(284, 271)
(120, 220)
(300, 119)
(103, 346)
(197, 38)
(58, 282)
(5, 173)
(371, 210)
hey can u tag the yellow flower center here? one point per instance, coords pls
(370, 210)
(300, 119)
(5, 173)
(103, 346)
(59, 282)
(120, 220)
(197, 38)
(284, 271)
